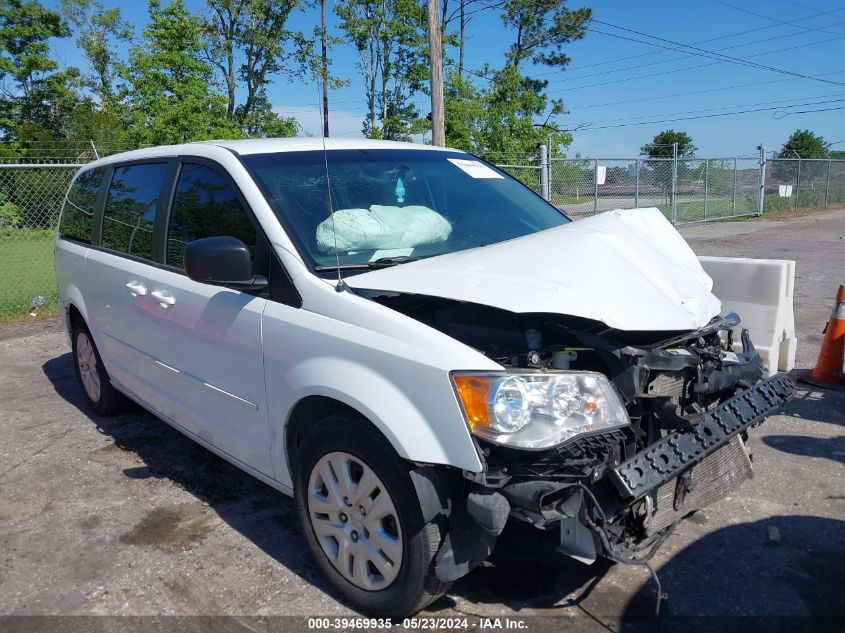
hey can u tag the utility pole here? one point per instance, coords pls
(435, 54)
(324, 68)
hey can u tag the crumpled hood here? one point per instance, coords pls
(628, 269)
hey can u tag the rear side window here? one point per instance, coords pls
(130, 209)
(205, 204)
(78, 212)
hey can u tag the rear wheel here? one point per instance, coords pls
(102, 398)
(362, 521)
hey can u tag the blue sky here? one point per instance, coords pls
(614, 82)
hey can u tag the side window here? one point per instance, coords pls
(131, 207)
(78, 212)
(205, 205)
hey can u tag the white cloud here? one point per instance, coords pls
(341, 122)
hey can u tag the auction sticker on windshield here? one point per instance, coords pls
(474, 168)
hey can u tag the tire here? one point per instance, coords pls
(394, 529)
(102, 398)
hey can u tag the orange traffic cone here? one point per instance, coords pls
(829, 371)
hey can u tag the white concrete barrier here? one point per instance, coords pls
(760, 292)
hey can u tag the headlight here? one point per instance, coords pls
(538, 410)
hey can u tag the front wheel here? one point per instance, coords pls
(362, 521)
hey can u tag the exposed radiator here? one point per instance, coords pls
(715, 477)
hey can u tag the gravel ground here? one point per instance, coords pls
(124, 516)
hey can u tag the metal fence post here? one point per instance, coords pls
(674, 182)
(798, 183)
(762, 192)
(827, 186)
(733, 212)
(637, 185)
(595, 186)
(706, 174)
(544, 172)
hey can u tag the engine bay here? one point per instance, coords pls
(668, 381)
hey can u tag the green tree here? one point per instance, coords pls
(100, 31)
(391, 39)
(36, 95)
(804, 144)
(170, 96)
(500, 118)
(543, 28)
(262, 121)
(312, 56)
(661, 145)
(247, 42)
(463, 110)
(463, 14)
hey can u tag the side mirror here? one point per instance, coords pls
(222, 261)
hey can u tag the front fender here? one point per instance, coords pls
(423, 423)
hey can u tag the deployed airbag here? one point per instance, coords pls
(382, 227)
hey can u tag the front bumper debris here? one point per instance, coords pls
(666, 459)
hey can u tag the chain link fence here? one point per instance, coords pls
(526, 169)
(34, 178)
(792, 184)
(31, 196)
(689, 190)
(686, 190)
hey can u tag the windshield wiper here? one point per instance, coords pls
(381, 262)
(384, 262)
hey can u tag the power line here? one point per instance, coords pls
(779, 102)
(785, 114)
(674, 59)
(712, 39)
(709, 116)
(691, 92)
(709, 54)
(771, 19)
(676, 70)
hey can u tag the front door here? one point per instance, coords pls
(207, 339)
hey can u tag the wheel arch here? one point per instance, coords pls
(305, 413)
(75, 308)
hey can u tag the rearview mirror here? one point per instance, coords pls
(222, 261)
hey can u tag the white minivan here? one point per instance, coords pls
(414, 345)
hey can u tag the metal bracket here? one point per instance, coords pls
(667, 458)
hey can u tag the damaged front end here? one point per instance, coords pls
(613, 490)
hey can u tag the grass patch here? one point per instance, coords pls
(26, 270)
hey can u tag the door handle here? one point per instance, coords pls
(163, 297)
(136, 289)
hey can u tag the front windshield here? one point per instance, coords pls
(396, 205)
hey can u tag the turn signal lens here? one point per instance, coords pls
(474, 392)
